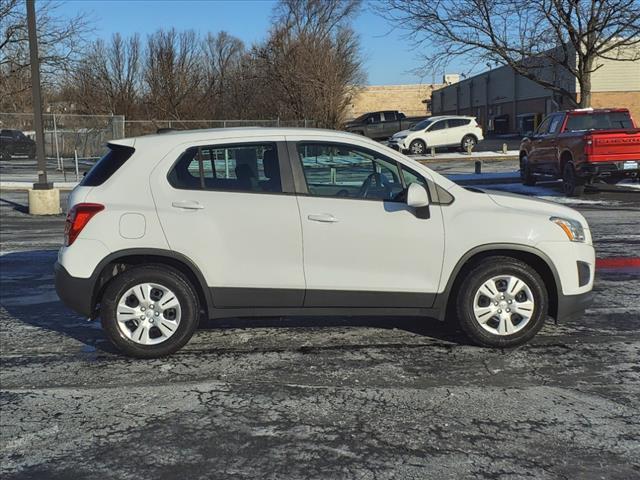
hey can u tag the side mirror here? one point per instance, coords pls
(417, 196)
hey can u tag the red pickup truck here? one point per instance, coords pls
(580, 146)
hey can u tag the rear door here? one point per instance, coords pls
(229, 206)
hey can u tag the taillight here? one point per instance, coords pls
(588, 145)
(77, 219)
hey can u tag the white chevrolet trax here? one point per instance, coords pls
(168, 229)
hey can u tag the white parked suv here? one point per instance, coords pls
(169, 229)
(441, 131)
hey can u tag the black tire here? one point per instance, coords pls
(526, 175)
(491, 267)
(468, 139)
(418, 147)
(5, 156)
(167, 277)
(572, 185)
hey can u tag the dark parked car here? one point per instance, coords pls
(15, 143)
(381, 125)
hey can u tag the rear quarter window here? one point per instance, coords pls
(107, 165)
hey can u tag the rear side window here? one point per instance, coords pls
(599, 121)
(245, 168)
(107, 165)
(458, 122)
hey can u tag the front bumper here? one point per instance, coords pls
(572, 307)
(75, 293)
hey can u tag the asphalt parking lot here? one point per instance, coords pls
(319, 398)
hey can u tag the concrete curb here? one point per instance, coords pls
(499, 157)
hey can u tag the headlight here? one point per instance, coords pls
(400, 137)
(572, 228)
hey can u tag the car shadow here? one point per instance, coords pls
(15, 205)
(27, 293)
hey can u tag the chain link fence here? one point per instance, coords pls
(68, 135)
(135, 128)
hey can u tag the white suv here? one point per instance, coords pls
(168, 229)
(442, 131)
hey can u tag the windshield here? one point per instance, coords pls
(599, 121)
(421, 125)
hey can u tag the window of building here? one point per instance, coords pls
(336, 170)
(248, 168)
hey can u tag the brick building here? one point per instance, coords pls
(413, 100)
(503, 101)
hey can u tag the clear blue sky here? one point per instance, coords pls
(388, 57)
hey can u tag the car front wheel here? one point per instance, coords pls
(502, 302)
(149, 311)
(526, 175)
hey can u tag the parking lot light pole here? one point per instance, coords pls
(42, 183)
(43, 198)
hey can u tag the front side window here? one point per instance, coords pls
(247, 168)
(556, 123)
(543, 128)
(336, 170)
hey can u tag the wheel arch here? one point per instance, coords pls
(533, 257)
(565, 157)
(117, 262)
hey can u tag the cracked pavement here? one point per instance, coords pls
(317, 398)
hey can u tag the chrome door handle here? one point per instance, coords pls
(322, 217)
(188, 205)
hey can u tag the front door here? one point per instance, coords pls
(438, 134)
(229, 207)
(363, 246)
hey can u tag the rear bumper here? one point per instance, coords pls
(75, 293)
(572, 307)
(608, 169)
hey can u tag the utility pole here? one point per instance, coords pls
(42, 183)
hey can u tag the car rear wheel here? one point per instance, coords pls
(468, 141)
(526, 175)
(502, 302)
(417, 147)
(5, 156)
(149, 311)
(572, 185)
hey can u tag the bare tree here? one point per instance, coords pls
(533, 37)
(108, 79)
(222, 56)
(311, 61)
(173, 75)
(60, 43)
